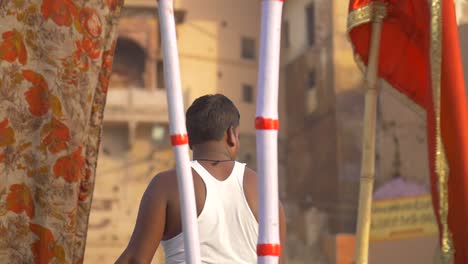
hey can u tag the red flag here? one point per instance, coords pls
(409, 53)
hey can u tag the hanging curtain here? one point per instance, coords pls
(55, 64)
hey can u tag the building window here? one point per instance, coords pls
(128, 68)
(159, 135)
(160, 74)
(285, 37)
(310, 19)
(311, 81)
(248, 48)
(247, 93)
(311, 93)
(115, 139)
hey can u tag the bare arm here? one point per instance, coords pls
(149, 227)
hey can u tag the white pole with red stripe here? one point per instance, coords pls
(179, 138)
(267, 124)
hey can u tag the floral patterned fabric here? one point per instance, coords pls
(55, 64)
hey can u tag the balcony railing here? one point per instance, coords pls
(137, 104)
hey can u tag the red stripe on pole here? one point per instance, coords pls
(268, 250)
(262, 123)
(179, 139)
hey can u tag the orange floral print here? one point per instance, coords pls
(38, 172)
(86, 49)
(71, 67)
(20, 200)
(61, 12)
(70, 167)
(12, 48)
(45, 249)
(104, 76)
(38, 95)
(90, 48)
(7, 134)
(54, 69)
(35, 78)
(104, 80)
(91, 22)
(85, 187)
(112, 4)
(57, 136)
(107, 58)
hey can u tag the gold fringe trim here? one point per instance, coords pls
(441, 165)
(366, 14)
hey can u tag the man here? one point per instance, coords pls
(225, 193)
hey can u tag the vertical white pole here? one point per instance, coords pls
(179, 138)
(267, 124)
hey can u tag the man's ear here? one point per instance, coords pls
(231, 136)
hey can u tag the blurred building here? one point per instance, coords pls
(311, 187)
(218, 48)
(325, 107)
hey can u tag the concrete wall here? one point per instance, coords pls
(461, 7)
(294, 14)
(349, 112)
(310, 196)
(347, 75)
(402, 144)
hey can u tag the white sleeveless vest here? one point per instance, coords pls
(227, 227)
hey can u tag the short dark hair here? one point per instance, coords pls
(209, 117)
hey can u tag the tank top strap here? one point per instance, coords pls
(238, 173)
(204, 174)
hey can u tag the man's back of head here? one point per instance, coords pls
(209, 117)
(212, 123)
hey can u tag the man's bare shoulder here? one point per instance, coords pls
(164, 181)
(250, 175)
(166, 175)
(250, 180)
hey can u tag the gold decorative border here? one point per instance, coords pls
(366, 14)
(362, 15)
(441, 165)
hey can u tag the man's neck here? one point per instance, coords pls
(211, 151)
